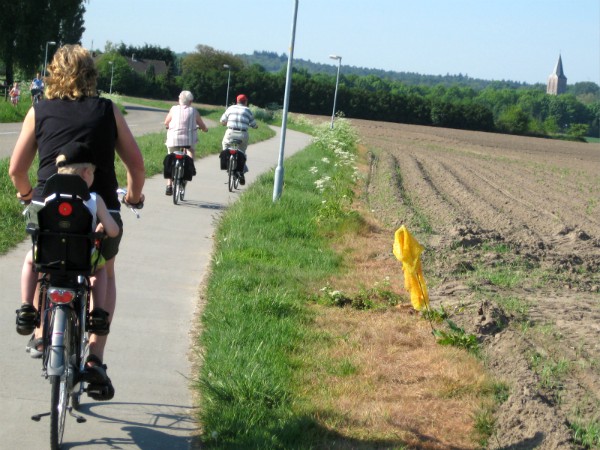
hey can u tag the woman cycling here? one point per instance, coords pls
(74, 112)
(182, 125)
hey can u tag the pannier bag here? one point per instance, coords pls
(224, 159)
(169, 162)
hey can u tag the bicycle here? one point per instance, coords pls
(36, 96)
(182, 169)
(62, 243)
(236, 159)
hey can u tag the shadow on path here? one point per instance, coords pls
(144, 108)
(149, 426)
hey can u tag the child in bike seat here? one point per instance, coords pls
(75, 158)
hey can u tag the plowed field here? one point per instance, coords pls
(511, 227)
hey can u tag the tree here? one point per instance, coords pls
(594, 112)
(203, 72)
(27, 26)
(513, 120)
(585, 91)
(123, 78)
(578, 130)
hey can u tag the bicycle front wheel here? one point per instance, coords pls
(231, 173)
(182, 192)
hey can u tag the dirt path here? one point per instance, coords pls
(512, 226)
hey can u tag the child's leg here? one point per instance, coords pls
(26, 314)
(28, 280)
(99, 289)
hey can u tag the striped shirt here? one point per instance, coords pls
(182, 127)
(238, 117)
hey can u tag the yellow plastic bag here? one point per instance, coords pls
(408, 250)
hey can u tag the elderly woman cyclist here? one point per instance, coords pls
(182, 125)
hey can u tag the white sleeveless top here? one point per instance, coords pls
(182, 127)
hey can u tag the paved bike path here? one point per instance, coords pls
(163, 259)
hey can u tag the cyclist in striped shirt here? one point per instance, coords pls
(238, 118)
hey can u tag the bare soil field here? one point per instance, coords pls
(511, 227)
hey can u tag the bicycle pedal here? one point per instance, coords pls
(100, 392)
(78, 418)
(37, 417)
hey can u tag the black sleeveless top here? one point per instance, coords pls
(90, 120)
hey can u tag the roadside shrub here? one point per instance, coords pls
(263, 114)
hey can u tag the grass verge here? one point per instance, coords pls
(256, 323)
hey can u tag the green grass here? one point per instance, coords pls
(256, 324)
(551, 372)
(495, 393)
(513, 305)
(457, 337)
(10, 114)
(586, 434)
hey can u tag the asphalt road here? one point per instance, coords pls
(163, 259)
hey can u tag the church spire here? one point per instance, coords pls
(557, 81)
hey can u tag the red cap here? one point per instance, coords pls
(242, 98)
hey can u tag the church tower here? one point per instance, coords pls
(557, 81)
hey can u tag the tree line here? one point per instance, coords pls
(497, 106)
(528, 111)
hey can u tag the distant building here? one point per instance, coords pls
(557, 81)
(147, 66)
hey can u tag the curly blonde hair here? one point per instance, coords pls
(73, 74)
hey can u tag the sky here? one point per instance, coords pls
(517, 40)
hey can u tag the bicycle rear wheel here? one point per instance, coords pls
(58, 412)
(60, 393)
(231, 173)
(177, 175)
(79, 345)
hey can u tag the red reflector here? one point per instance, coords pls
(232, 152)
(65, 209)
(61, 295)
(178, 156)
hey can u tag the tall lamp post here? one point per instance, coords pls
(46, 55)
(228, 67)
(279, 170)
(112, 72)
(337, 81)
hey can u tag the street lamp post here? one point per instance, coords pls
(112, 72)
(228, 67)
(46, 56)
(337, 81)
(279, 170)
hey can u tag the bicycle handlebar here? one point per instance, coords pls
(133, 207)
